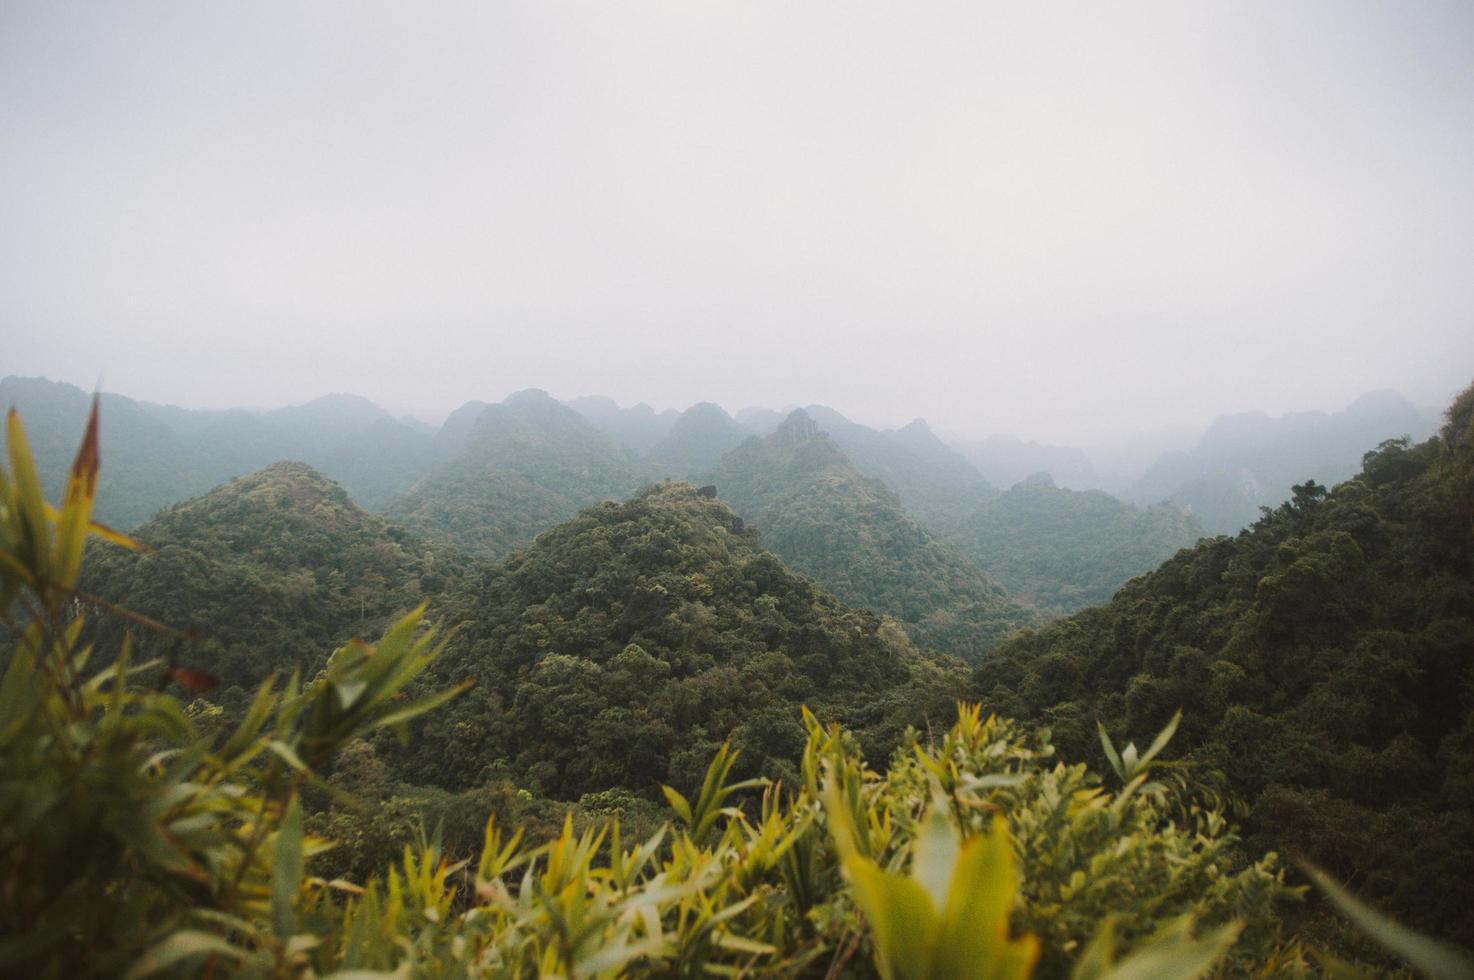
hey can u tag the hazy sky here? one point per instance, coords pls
(1047, 219)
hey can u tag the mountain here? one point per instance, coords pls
(850, 533)
(697, 441)
(451, 437)
(273, 570)
(638, 428)
(1064, 550)
(1251, 460)
(934, 483)
(527, 464)
(623, 647)
(1324, 662)
(150, 463)
(1005, 460)
(160, 454)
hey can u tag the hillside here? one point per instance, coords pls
(1247, 461)
(1323, 662)
(527, 463)
(935, 484)
(850, 534)
(1068, 549)
(273, 570)
(697, 441)
(624, 646)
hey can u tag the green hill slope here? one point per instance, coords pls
(936, 485)
(624, 646)
(527, 464)
(1325, 663)
(273, 570)
(1068, 549)
(850, 534)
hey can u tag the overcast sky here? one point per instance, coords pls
(1045, 219)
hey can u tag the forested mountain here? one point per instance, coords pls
(528, 463)
(624, 646)
(934, 483)
(850, 533)
(150, 462)
(161, 454)
(637, 428)
(271, 571)
(1324, 661)
(1067, 549)
(1251, 460)
(697, 441)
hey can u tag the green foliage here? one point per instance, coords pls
(266, 573)
(1068, 549)
(1323, 663)
(128, 843)
(528, 464)
(850, 534)
(134, 844)
(625, 646)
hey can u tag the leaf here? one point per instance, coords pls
(1163, 737)
(29, 501)
(421, 705)
(900, 914)
(973, 939)
(1433, 957)
(1110, 751)
(1174, 957)
(178, 947)
(76, 512)
(286, 872)
(287, 754)
(678, 803)
(934, 855)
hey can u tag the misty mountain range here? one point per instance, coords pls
(898, 521)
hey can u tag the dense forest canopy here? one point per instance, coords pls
(820, 514)
(1067, 549)
(1324, 662)
(623, 647)
(973, 855)
(269, 572)
(527, 464)
(535, 462)
(1315, 669)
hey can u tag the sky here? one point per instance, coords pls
(1060, 221)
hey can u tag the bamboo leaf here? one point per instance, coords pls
(286, 872)
(178, 947)
(1432, 957)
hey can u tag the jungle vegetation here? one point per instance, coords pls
(668, 729)
(850, 532)
(135, 841)
(1324, 662)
